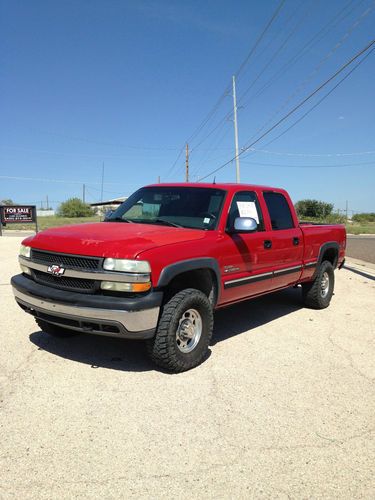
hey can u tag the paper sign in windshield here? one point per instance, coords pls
(248, 209)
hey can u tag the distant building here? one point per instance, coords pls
(103, 207)
(45, 213)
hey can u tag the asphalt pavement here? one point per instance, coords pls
(282, 408)
(361, 247)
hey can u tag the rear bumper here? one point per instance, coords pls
(103, 315)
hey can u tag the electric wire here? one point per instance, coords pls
(227, 88)
(294, 29)
(298, 25)
(320, 100)
(310, 155)
(305, 82)
(308, 45)
(295, 108)
(279, 165)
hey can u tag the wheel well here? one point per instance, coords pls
(200, 279)
(331, 255)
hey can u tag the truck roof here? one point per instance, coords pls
(219, 185)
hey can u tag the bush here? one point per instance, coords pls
(74, 207)
(364, 217)
(7, 202)
(335, 218)
(313, 208)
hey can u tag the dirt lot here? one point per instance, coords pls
(283, 408)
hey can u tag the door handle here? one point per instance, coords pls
(295, 240)
(267, 244)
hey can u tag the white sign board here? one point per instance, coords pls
(248, 209)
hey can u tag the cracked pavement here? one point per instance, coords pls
(283, 407)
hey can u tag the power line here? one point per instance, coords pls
(281, 153)
(303, 85)
(259, 39)
(40, 179)
(212, 112)
(293, 110)
(308, 45)
(243, 64)
(343, 165)
(295, 28)
(60, 181)
(320, 100)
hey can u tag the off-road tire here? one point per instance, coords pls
(163, 348)
(312, 291)
(55, 330)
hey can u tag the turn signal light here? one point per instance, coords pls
(116, 286)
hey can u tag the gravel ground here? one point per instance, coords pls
(283, 407)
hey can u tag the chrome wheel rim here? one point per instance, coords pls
(324, 285)
(189, 330)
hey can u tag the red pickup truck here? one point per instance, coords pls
(171, 254)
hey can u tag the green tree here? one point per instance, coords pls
(313, 208)
(74, 207)
(7, 202)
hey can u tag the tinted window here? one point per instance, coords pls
(192, 207)
(245, 204)
(279, 211)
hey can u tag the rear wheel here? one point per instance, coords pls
(317, 294)
(55, 330)
(183, 333)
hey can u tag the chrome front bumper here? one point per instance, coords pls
(118, 322)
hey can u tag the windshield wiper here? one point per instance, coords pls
(166, 222)
(119, 219)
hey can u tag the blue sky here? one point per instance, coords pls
(128, 82)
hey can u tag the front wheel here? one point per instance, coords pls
(184, 332)
(317, 294)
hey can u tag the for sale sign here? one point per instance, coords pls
(18, 213)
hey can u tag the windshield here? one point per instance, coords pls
(189, 207)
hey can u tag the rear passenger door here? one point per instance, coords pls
(286, 240)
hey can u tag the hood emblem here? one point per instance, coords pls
(56, 270)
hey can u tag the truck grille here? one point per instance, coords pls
(65, 283)
(65, 260)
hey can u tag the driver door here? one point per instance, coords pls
(247, 259)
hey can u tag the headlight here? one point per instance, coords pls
(25, 251)
(127, 266)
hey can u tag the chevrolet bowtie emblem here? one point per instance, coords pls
(56, 270)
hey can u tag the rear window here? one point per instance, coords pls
(278, 208)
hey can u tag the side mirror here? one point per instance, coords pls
(245, 225)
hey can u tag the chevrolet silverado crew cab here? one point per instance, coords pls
(159, 265)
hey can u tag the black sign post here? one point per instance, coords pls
(18, 214)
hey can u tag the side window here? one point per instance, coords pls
(245, 204)
(278, 208)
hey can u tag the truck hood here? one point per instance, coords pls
(110, 239)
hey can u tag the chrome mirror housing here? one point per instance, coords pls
(245, 225)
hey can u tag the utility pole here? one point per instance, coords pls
(236, 130)
(101, 191)
(187, 163)
(84, 193)
(47, 207)
(346, 210)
